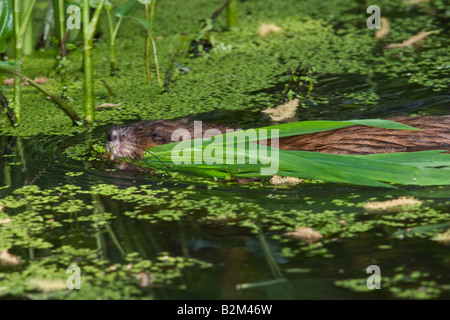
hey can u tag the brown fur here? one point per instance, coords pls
(132, 140)
(435, 135)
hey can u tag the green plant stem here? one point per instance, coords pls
(89, 102)
(17, 101)
(88, 35)
(53, 97)
(152, 14)
(62, 41)
(232, 14)
(9, 112)
(18, 57)
(28, 34)
(19, 32)
(111, 92)
(155, 55)
(112, 43)
(276, 273)
(61, 19)
(148, 43)
(113, 36)
(7, 175)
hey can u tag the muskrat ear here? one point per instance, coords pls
(157, 136)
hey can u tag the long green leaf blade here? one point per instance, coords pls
(6, 23)
(413, 168)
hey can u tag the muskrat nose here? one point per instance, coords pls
(112, 136)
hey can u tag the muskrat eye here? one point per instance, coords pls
(157, 136)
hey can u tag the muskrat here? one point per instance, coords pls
(132, 140)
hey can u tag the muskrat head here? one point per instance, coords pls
(130, 141)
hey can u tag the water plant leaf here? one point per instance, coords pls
(125, 10)
(143, 22)
(8, 65)
(304, 127)
(24, 23)
(6, 23)
(108, 5)
(412, 168)
(421, 229)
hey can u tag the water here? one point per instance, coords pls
(240, 255)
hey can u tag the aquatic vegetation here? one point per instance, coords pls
(121, 13)
(419, 285)
(50, 95)
(150, 6)
(215, 157)
(32, 212)
(20, 27)
(170, 234)
(6, 23)
(88, 38)
(232, 20)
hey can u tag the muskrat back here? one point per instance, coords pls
(434, 135)
(132, 140)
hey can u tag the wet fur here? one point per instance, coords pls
(435, 135)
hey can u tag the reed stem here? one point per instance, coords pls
(17, 104)
(113, 35)
(232, 14)
(148, 46)
(88, 36)
(20, 26)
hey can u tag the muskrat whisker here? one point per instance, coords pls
(158, 159)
